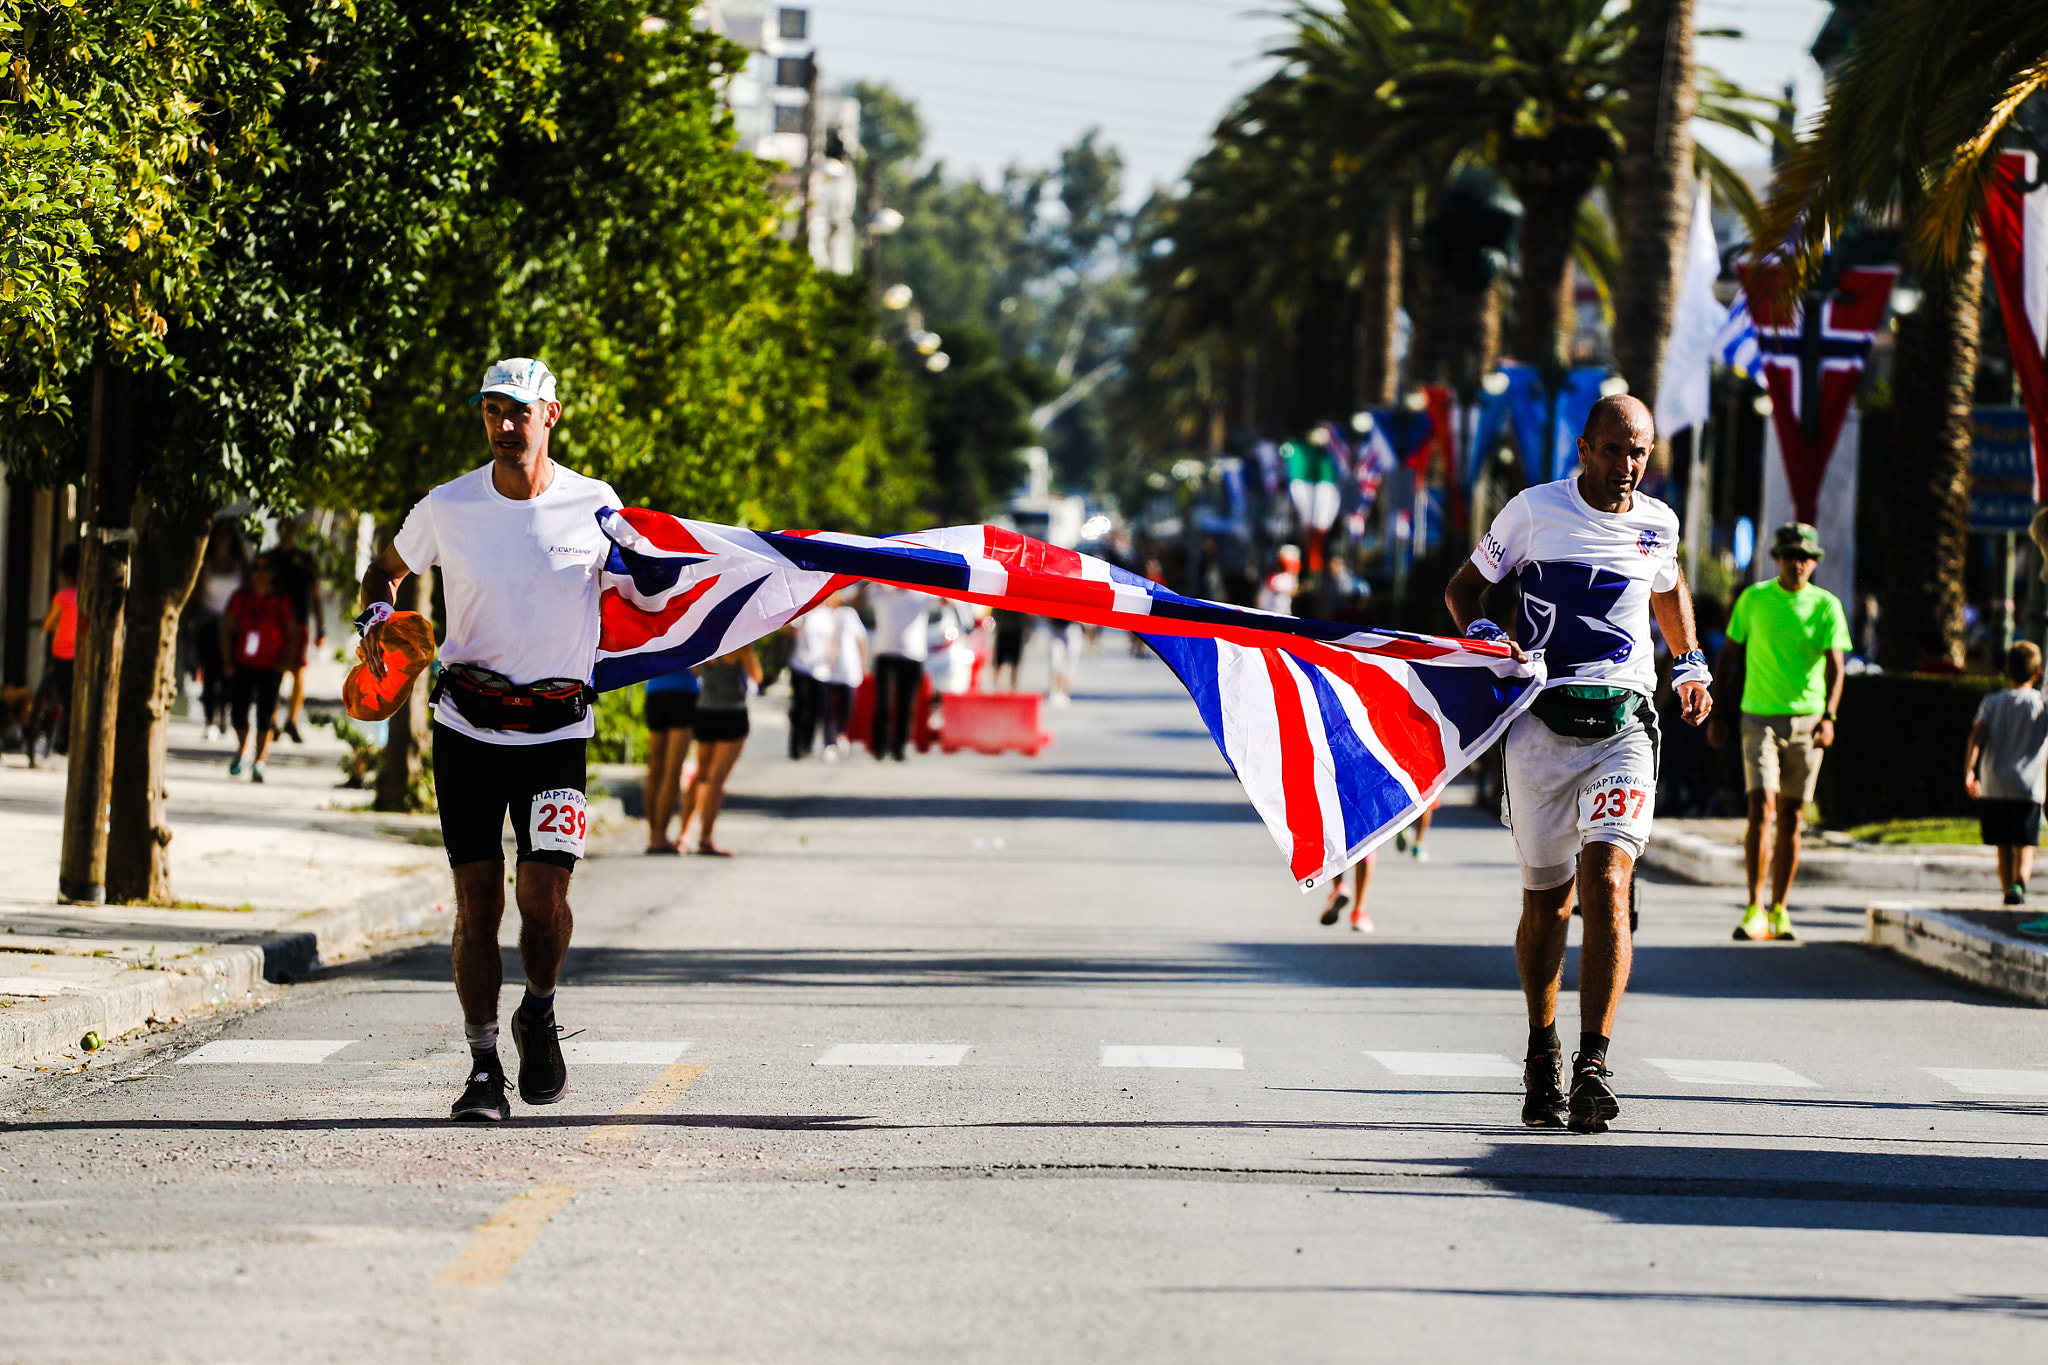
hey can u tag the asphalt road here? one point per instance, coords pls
(1002, 1059)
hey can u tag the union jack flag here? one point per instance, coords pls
(1340, 736)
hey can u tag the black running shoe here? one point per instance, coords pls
(1544, 1104)
(1592, 1102)
(542, 1074)
(483, 1099)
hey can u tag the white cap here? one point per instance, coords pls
(519, 379)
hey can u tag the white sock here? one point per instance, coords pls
(481, 1038)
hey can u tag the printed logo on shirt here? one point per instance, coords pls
(1648, 543)
(1492, 549)
(575, 553)
(1566, 611)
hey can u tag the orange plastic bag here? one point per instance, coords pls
(408, 648)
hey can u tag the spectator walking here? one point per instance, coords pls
(1064, 637)
(259, 638)
(220, 577)
(298, 580)
(1011, 627)
(849, 666)
(900, 648)
(810, 665)
(60, 627)
(722, 728)
(1361, 881)
(1787, 643)
(2004, 772)
(670, 708)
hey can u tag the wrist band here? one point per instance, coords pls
(1691, 667)
(375, 615)
(1483, 629)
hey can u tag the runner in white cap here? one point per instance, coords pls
(520, 555)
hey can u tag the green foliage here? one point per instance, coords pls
(1898, 750)
(621, 720)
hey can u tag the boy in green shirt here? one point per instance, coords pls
(1786, 643)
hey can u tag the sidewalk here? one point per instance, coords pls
(1956, 927)
(272, 882)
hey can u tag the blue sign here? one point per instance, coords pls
(2001, 470)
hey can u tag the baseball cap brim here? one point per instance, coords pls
(513, 392)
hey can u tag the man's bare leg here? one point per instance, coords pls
(1785, 853)
(479, 909)
(1754, 840)
(1539, 960)
(545, 923)
(1609, 948)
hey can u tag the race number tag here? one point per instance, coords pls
(1624, 801)
(561, 821)
(252, 644)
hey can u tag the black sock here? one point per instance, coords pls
(1542, 1041)
(1592, 1047)
(536, 1005)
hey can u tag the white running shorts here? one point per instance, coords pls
(1566, 793)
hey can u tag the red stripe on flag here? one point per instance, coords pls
(624, 627)
(1015, 550)
(1411, 735)
(1297, 770)
(663, 531)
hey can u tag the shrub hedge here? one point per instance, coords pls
(1899, 745)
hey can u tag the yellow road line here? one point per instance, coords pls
(500, 1242)
(657, 1098)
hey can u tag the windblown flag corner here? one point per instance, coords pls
(1340, 736)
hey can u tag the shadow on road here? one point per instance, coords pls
(2000, 1305)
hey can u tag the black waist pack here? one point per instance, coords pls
(492, 701)
(1587, 710)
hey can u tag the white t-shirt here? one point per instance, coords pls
(521, 579)
(850, 664)
(815, 634)
(899, 621)
(1586, 578)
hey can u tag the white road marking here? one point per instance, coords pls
(1194, 1058)
(1490, 1064)
(893, 1054)
(1993, 1082)
(1727, 1073)
(267, 1051)
(624, 1053)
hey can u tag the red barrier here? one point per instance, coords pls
(860, 726)
(992, 722)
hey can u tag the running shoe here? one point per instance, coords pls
(543, 1076)
(1361, 923)
(1401, 841)
(2037, 927)
(1543, 1103)
(255, 772)
(2015, 894)
(291, 732)
(483, 1099)
(1592, 1100)
(1754, 926)
(1781, 925)
(235, 766)
(1334, 908)
(1421, 854)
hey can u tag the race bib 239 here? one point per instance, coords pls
(560, 821)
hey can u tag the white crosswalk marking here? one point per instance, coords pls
(893, 1054)
(1193, 1058)
(1727, 1073)
(267, 1051)
(1972, 1082)
(1447, 1064)
(596, 1051)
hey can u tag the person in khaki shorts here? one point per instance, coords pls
(1786, 644)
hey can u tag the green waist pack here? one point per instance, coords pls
(1587, 710)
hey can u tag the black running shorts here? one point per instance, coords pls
(2009, 824)
(478, 784)
(670, 710)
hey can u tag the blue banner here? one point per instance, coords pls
(2001, 470)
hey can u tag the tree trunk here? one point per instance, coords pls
(168, 550)
(1379, 307)
(102, 601)
(408, 727)
(1543, 299)
(1933, 378)
(1655, 185)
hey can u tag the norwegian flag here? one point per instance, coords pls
(1340, 736)
(1849, 319)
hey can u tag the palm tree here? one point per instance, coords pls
(1656, 173)
(1916, 114)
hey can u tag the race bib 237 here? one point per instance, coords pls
(1621, 801)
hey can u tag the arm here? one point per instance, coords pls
(1462, 596)
(380, 584)
(1728, 674)
(1673, 610)
(1973, 752)
(751, 662)
(1824, 732)
(50, 620)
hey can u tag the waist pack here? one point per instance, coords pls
(1587, 710)
(492, 701)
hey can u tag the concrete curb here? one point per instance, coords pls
(1710, 862)
(1957, 947)
(230, 970)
